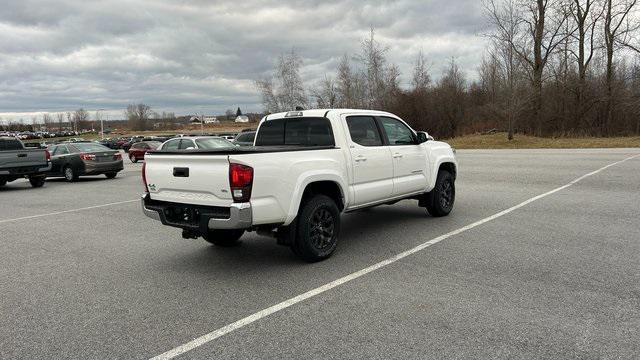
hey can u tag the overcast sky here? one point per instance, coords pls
(203, 56)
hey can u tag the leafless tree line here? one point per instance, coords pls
(553, 67)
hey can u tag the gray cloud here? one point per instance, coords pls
(203, 55)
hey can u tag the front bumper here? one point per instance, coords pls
(198, 218)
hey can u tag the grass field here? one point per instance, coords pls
(499, 141)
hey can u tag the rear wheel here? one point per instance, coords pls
(133, 158)
(37, 181)
(224, 238)
(70, 174)
(111, 175)
(318, 229)
(439, 202)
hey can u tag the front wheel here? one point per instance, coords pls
(318, 229)
(133, 158)
(37, 181)
(111, 175)
(439, 201)
(224, 238)
(3, 182)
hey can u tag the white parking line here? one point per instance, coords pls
(66, 211)
(319, 290)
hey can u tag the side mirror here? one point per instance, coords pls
(423, 137)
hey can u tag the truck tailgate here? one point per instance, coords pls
(189, 179)
(23, 158)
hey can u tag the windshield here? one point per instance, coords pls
(213, 143)
(154, 144)
(89, 147)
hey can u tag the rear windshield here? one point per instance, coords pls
(89, 147)
(213, 143)
(306, 131)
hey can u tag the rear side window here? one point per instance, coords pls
(363, 131)
(171, 145)
(296, 131)
(10, 144)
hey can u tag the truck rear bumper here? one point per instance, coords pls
(198, 218)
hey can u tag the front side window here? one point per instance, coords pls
(397, 132)
(296, 131)
(363, 131)
(186, 143)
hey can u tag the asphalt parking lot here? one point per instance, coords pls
(83, 274)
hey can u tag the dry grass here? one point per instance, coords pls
(499, 141)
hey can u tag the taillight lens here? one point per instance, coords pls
(241, 180)
(47, 155)
(144, 176)
(84, 156)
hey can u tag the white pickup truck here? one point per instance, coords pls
(305, 168)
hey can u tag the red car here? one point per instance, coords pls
(137, 150)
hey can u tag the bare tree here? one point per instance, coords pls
(617, 30)
(586, 14)
(138, 116)
(81, 118)
(60, 118)
(325, 93)
(345, 84)
(373, 59)
(288, 90)
(47, 119)
(420, 78)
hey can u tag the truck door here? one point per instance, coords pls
(370, 160)
(409, 158)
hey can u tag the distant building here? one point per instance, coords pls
(242, 119)
(206, 119)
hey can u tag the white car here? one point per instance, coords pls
(306, 168)
(195, 142)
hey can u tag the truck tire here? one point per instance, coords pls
(69, 174)
(111, 175)
(37, 181)
(224, 238)
(3, 182)
(318, 229)
(439, 201)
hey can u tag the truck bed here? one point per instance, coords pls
(242, 150)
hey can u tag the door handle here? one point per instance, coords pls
(360, 158)
(397, 155)
(22, 155)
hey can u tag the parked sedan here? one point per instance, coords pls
(196, 142)
(137, 150)
(72, 160)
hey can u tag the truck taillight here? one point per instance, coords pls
(144, 176)
(47, 155)
(84, 156)
(241, 180)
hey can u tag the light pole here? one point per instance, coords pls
(102, 124)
